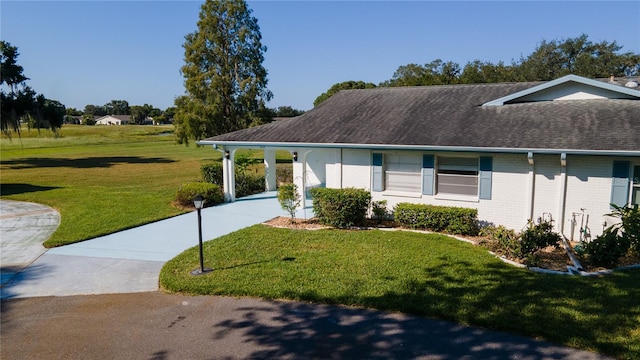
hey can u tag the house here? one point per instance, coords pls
(113, 120)
(561, 150)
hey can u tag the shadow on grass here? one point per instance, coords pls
(14, 189)
(82, 163)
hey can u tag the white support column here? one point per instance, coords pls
(299, 176)
(229, 176)
(270, 169)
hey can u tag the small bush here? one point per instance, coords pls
(629, 227)
(246, 183)
(379, 210)
(212, 173)
(211, 193)
(289, 198)
(341, 208)
(537, 237)
(454, 220)
(606, 249)
(501, 240)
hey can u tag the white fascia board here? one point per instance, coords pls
(259, 145)
(562, 80)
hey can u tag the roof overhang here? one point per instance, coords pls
(261, 145)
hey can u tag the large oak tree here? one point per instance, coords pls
(225, 81)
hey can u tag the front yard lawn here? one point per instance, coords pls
(428, 275)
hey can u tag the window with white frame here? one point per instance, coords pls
(403, 172)
(457, 176)
(635, 190)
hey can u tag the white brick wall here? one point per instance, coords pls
(588, 186)
(356, 168)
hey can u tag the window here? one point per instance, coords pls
(458, 176)
(402, 172)
(635, 191)
(411, 172)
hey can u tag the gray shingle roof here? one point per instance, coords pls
(452, 116)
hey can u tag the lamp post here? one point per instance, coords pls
(198, 201)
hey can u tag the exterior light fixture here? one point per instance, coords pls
(295, 156)
(198, 202)
(227, 155)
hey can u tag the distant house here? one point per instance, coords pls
(563, 149)
(113, 120)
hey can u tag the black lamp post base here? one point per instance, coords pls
(201, 271)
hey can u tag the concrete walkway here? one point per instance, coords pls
(124, 262)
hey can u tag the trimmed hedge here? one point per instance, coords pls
(448, 219)
(246, 183)
(212, 173)
(341, 208)
(211, 193)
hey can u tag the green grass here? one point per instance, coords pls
(428, 275)
(101, 179)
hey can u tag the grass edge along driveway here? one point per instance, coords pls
(427, 275)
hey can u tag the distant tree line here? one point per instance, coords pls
(550, 60)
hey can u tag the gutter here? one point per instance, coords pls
(258, 145)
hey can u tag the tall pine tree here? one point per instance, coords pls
(225, 81)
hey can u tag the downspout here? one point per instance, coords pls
(532, 185)
(339, 169)
(563, 191)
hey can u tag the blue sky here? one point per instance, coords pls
(92, 52)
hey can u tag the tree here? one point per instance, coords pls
(21, 102)
(117, 107)
(345, 85)
(140, 113)
(94, 110)
(16, 103)
(225, 81)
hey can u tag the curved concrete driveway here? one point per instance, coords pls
(24, 227)
(124, 262)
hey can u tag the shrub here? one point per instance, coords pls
(211, 193)
(246, 183)
(537, 237)
(341, 208)
(606, 249)
(289, 198)
(501, 240)
(629, 227)
(379, 210)
(454, 220)
(212, 173)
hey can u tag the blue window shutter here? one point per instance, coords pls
(620, 183)
(376, 172)
(486, 168)
(428, 174)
